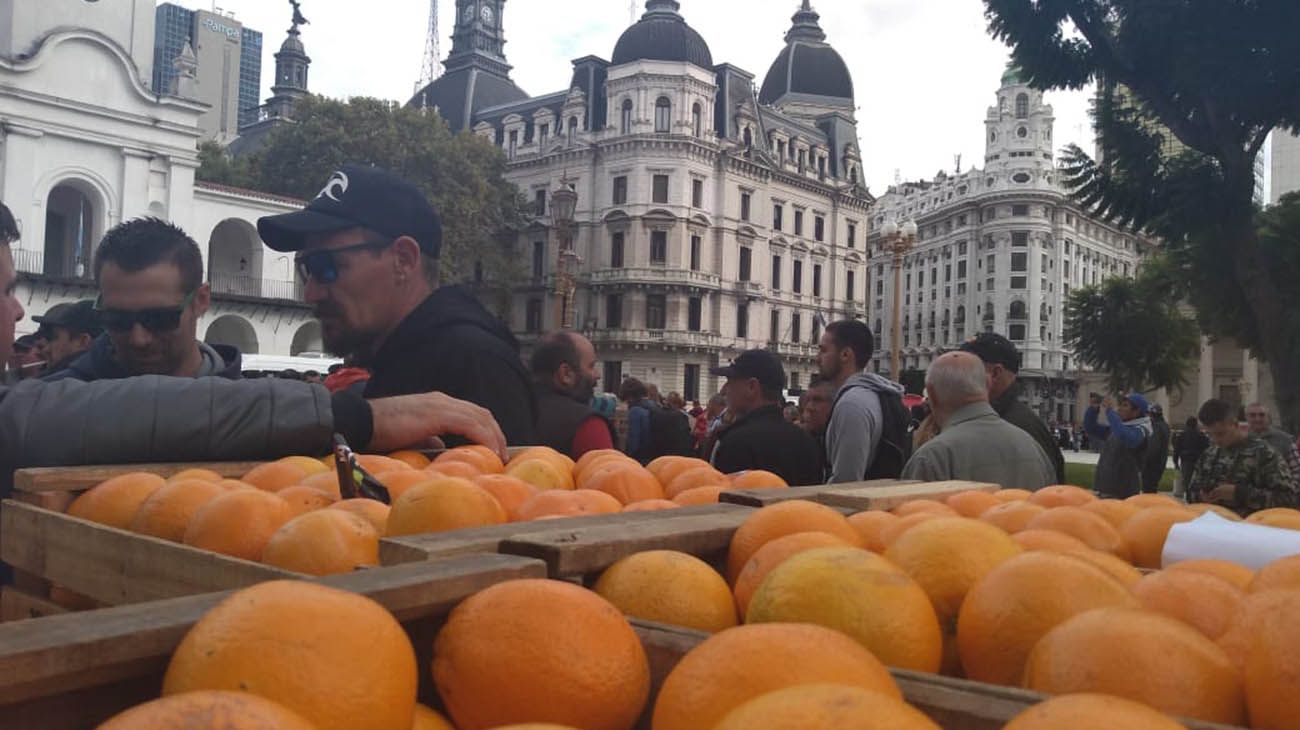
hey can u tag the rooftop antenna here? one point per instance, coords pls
(957, 162)
(431, 68)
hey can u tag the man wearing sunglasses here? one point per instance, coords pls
(367, 251)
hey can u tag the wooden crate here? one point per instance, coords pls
(890, 496)
(764, 497)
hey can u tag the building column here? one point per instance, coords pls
(1249, 377)
(1205, 381)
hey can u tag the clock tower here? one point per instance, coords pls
(479, 38)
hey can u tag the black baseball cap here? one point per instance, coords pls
(77, 317)
(356, 196)
(25, 343)
(761, 365)
(993, 349)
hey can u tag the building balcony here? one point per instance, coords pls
(750, 288)
(654, 276)
(651, 338)
(794, 349)
(255, 287)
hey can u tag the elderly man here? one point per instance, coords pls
(1123, 439)
(1261, 425)
(1240, 471)
(564, 375)
(974, 444)
(761, 437)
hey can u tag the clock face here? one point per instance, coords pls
(486, 14)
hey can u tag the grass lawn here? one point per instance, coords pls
(1081, 475)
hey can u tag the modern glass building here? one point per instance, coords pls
(229, 60)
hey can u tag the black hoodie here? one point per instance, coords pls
(451, 344)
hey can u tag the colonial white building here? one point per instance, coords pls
(85, 144)
(998, 250)
(710, 218)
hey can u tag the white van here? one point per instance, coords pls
(278, 363)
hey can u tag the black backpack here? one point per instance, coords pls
(895, 446)
(670, 434)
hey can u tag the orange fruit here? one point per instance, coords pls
(1201, 508)
(167, 512)
(566, 503)
(541, 473)
(594, 456)
(870, 524)
(1012, 517)
(411, 458)
(1091, 711)
(924, 505)
(626, 483)
(323, 542)
(1145, 533)
(1205, 602)
(1114, 511)
(229, 484)
(1062, 495)
(275, 475)
(702, 476)
(736, 665)
(540, 651)
(699, 495)
(1272, 672)
(461, 469)
(511, 493)
(1117, 568)
(203, 475)
(859, 593)
(426, 718)
(478, 456)
(773, 554)
(1052, 540)
(972, 502)
(825, 707)
(602, 465)
(1281, 574)
(326, 481)
(1235, 573)
(208, 710)
(303, 645)
(378, 464)
(238, 523)
(1148, 499)
(376, 513)
(890, 532)
(669, 587)
(1010, 609)
(781, 519)
(114, 502)
(308, 464)
(651, 505)
(536, 726)
(397, 482)
(1283, 517)
(666, 468)
(757, 479)
(562, 463)
(1092, 530)
(1143, 656)
(1012, 495)
(947, 557)
(443, 504)
(1257, 610)
(305, 499)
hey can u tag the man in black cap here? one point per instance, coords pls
(367, 251)
(68, 329)
(25, 361)
(1002, 363)
(760, 437)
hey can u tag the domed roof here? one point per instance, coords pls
(1013, 75)
(461, 92)
(662, 35)
(292, 43)
(807, 64)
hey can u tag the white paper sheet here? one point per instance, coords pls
(1211, 536)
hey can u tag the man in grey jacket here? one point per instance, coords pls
(974, 443)
(866, 437)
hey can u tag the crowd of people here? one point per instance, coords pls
(125, 378)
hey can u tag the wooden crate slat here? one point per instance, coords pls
(764, 497)
(75, 478)
(889, 497)
(16, 605)
(115, 566)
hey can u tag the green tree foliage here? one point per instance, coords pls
(463, 175)
(1133, 330)
(1190, 91)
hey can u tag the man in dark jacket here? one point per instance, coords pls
(761, 437)
(564, 375)
(68, 330)
(1002, 363)
(1123, 439)
(367, 249)
(151, 298)
(1156, 458)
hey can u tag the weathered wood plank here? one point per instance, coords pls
(76, 478)
(764, 497)
(17, 605)
(889, 497)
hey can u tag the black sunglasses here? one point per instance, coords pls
(158, 321)
(322, 264)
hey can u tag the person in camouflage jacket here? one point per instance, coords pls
(1239, 471)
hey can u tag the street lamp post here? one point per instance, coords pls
(898, 240)
(564, 201)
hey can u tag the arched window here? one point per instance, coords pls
(961, 316)
(853, 175)
(663, 115)
(1017, 310)
(1022, 106)
(697, 120)
(749, 138)
(573, 128)
(625, 118)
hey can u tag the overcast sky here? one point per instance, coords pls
(924, 71)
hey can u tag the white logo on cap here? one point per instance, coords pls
(337, 185)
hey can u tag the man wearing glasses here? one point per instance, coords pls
(367, 251)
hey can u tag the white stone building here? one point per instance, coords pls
(710, 219)
(998, 250)
(85, 144)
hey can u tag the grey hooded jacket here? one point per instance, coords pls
(853, 433)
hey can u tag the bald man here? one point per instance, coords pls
(974, 444)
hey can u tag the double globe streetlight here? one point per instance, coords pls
(898, 240)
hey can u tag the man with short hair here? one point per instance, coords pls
(815, 414)
(652, 430)
(1239, 470)
(69, 329)
(564, 378)
(367, 250)
(761, 437)
(25, 361)
(1123, 443)
(1261, 425)
(974, 443)
(151, 297)
(866, 437)
(1002, 364)
(1156, 458)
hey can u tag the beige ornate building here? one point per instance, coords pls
(710, 218)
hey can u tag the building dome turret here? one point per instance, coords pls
(662, 35)
(808, 65)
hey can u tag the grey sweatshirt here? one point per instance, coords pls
(853, 433)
